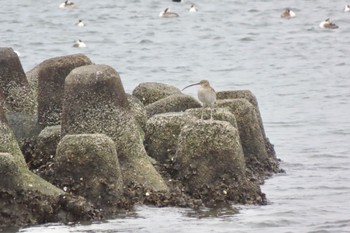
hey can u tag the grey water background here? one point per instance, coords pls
(298, 72)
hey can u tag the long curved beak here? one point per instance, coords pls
(190, 86)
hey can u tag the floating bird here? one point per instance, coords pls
(168, 14)
(177, 0)
(79, 44)
(347, 8)
(80, 23)
(193, 8)
(288, 13)
(67, 4)
(206, 94)
(328, 24)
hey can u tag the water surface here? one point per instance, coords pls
(299, 73)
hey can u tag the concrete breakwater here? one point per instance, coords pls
(74, 146)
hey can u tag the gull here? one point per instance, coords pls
(288, 13)
(67, 4)
(80, 23)
(79, 44)
(328, 24)
(168, 14)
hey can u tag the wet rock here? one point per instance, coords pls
(9, 172)
(25, 198)
(243, 94)
(138, 111)
(16, 177)
(71, 208)
(173, 103)
(175, 197)
(8, 142)
(45, 148)
(248, 95)
(32, 77)
(195, 161)
(208, 153)
(19, 101)
(26, 207)
(250, 133)
(23, 177)
(151, 92)
(95, 102)
(87, 165)
(51, 75)
(14, 83)
(162, 131)
(25, 128)
(220, 114)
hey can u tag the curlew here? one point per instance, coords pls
(206, 94)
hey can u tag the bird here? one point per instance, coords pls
(80, 23)
(328, 24)
(288, 13)
(67, 4)
(193, 8)
(347, 8)
(79, 44)
(168, 14)
(177, 0)
(206, 94)
(18, 53)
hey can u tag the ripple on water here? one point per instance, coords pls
(298, 72)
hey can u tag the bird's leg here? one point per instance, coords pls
(202, 112)
(211, 113)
